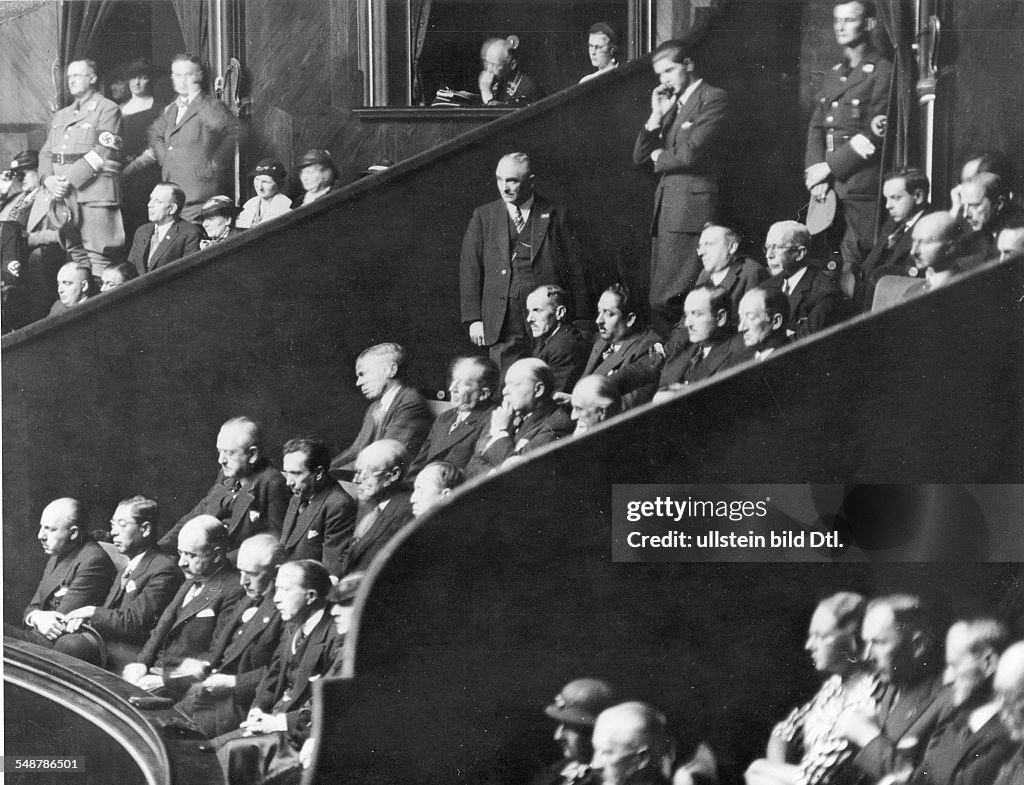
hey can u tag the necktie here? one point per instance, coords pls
(298, 640)
(192, 593)
(365, 524)
(609, 350)
(459, 419)
(126, 575)
(153, 244)
(787, 288)
(519, 221)
(895, 236)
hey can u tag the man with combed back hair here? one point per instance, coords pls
(902, 651)
(138, 595)
(556, 340)
(249, 494)
(396, 411)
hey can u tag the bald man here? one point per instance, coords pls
(595, 398)
(933, 248)
(249, 494)
(502, 81)
(512, 246)
(200, 609)
(1009, 687)
(77, 573)
(74, 282)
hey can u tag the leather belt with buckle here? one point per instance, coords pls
(66, 158)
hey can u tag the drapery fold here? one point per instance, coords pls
(195, 24)
(81, 23)
(419, 20)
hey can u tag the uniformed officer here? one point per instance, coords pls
(81, 158)
(844, 143)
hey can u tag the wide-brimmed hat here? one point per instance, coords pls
(315, 156)
(218, 205)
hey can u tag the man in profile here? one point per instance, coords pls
(249, 494)
(681, 139)
(764, 314)
(594, 399)
(934, 249)
(194, 139)
(138, 595)
(434, 484)
(900, 648)
(502, 81)
(166, 238)
(512, 246)
(321, 515)
(575, 709)
(725, 267)
(397, 411)
(78, 572)
(630, 743)
(556, 341)
(1009, 687)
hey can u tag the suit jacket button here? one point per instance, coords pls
(503, 272)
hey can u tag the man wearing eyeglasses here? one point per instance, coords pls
(815, 302)
(383, 507)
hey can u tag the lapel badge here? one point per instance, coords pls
(313, 533)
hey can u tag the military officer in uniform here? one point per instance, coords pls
(844, 142)
(80, 161)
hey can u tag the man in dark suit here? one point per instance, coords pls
(434, 483)
(815, 302)
(77, 573)
(384, 508)
(906, 200)
(900, 649)
(1009, 686)
(200, 609)
(503, 81)
(137, 597)
(935, 239)
(681, 137)
(764, 315)
(249, 494)
(512, 246)
(970, 744)
(724, 268)
(454, 433)
(621, 339)
(528, 418)
(166, 238)
(194, 139)
(556, 341)
(844, 140)
(221, 689)
(710, 346)
(321, 516)
(396, 411)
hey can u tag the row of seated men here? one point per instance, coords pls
(43, 253)
(887, 711)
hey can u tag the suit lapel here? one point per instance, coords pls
(264, 615)
(503, 235)
(161, 249)
(801, 289)
(243, 499)
(540, 215)
(306, 517)
(190, 111)
(200, 602)
(56, 571)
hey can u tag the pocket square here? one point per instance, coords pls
(313, 533)
(61, 591)
(254, 516)
(130, 587)
(687, 124)
(206, 613)
(521, 444)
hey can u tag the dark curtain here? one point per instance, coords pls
(900, 148)
(419, 19)
(80, 24)
(194, 21)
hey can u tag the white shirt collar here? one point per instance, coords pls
(388, 398)
(689, 91)
(794, 279)
(133, 562)
(977, 718)
(312, 621)
(524, 208)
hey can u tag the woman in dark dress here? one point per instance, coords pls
(141, 171)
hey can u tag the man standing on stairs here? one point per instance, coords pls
(512, 246)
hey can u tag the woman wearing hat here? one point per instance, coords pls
(319, 176)
(267, 180)
(140, 174)
(603, 46)
(218, 219)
